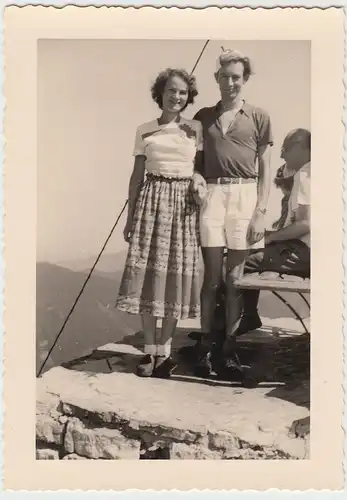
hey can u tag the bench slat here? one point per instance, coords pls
(257, 282)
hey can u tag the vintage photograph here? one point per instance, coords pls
(170, 295)
(173, 249)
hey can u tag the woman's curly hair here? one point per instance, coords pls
(158, 86)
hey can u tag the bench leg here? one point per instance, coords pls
(292, 309)
(305, 300)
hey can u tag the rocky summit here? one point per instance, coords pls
(96, 410)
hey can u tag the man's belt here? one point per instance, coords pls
(229, 180)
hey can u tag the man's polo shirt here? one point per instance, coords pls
(233, 153)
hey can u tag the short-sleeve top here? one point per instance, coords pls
(170, 149)
(233, 153)
(300, 195)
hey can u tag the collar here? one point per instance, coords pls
(246, 108)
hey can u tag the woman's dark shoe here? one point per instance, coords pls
(146, 366)
(163, 367)
(248, 323)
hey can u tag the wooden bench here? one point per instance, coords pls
(275, 283)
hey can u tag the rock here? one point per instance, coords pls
(74, 456)
(99, 442)
(223, 441)
(182, 451)
(49, 430)
(49, 427)
(300, 428)
(47, 454)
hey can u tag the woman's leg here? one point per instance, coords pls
(167, 332)
(146, 365)
(149, 325)
(163, 363)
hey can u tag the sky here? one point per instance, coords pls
(92, 95)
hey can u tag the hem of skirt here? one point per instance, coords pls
(136, 310)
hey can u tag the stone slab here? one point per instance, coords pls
(120, 349)
(175, 409)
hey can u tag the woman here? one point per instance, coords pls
(161, 275)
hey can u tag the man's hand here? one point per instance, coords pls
(256, 228)
(199, 188)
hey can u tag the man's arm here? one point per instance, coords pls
(264, 177)
(256, 227)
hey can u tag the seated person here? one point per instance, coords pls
(287, 249)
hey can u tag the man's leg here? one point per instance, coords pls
(235, 266)
(213, 242)
(213, 275)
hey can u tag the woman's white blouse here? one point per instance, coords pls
(169, 149)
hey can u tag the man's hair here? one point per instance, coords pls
(158, 86)
(301, 135)
(233, 56)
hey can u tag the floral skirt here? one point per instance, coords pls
(161, 275)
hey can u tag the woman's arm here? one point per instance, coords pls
(136, 181)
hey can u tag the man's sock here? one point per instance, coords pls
(164, 350)
(150, 349)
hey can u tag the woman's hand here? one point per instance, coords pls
(127, 231)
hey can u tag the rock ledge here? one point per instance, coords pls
(83, 415)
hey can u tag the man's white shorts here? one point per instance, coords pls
(225, 216)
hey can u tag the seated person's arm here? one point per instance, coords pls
(301, 224)
(297, 229)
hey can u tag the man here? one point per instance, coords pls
(237, 136)
(288, 248)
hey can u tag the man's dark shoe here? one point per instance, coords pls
(231, 369)
(163, 367)
(203, 368)
(249, 379)
(248, 323)
(146, 366)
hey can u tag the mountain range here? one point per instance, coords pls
(95, 321)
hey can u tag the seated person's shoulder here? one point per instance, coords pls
(304, 175)
(305, 171)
